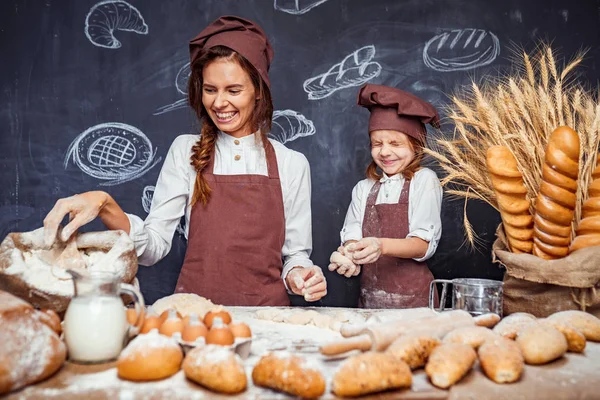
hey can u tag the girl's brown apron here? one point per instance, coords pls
(234, 245)
(392, 282)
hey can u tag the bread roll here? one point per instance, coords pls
(556, 200)
(30, 350)
(511, 195)
(473, 336)
(501, 360)
(289, 373)
(586, 323)
(575, 340)
(510, 326)
(414, 350)
(449, 363)
(488, 320)
(541, 343)
(588, 231)
(150, 357)
(216, 368)
(370, 372)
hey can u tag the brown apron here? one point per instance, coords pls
(234, 245)
(392, 282)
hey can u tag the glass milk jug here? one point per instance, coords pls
(95, 324)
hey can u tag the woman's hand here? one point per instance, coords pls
(308, 282)
(366, 251)
(82, 209)
(342, 263)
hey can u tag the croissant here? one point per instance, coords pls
(556, 200)
(588, 231)
(507, 181)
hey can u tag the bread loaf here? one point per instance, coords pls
(541, 343)
(556, 200)
(488, 320)
(414, 350)
(501, 360)
(510, 326)
(511, 195)
(449, 363)
(30, 350)
(216, 368)
(150, 357)
(473, 336)
(370, 372)
(588, 231)
(289, 373)
(575, 340)
(586, 323)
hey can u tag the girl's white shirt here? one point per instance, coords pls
(424, 207)
(173, 193)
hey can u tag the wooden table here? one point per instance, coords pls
(575, 376)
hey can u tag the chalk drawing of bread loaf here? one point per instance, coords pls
(461, 49)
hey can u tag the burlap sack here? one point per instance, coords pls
(45, 286)
(543, 287)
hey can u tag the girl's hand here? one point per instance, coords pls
(366, 251)
(342, 264)
(82, 209)
(308, 282)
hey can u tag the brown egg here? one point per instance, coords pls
(132, 317)
(240, 330)
(211, 315)
(186, 319)
(173, 324)
(219, 334)
(51, 318)
(151, 322)
(165, 314)
(193, 329)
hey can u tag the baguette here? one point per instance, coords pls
(414, 350)
(510, 326)
(473, 336)
(449, 363)
(488, 320)
(541, 343)
(588, 231)
(586, 323)
(370, 372)
(556, 200)
(511, 195)
(501, 360)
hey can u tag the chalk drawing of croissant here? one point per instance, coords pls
(108, 16)
(354, 70)
(296, 7)
(147, 196)
(461, 49)
(181, 82)
(113, 152)
(289, 125)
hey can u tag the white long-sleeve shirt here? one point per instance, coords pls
(424, 207)
(173, 193)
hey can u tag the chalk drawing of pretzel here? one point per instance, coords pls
(108, 16)
(354, 70)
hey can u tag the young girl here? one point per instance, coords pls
(245, 198)
(393, 223)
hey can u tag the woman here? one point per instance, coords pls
(246, 199)
(393, 224)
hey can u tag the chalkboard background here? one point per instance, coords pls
(59, 78)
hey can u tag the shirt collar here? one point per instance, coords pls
(246, 141)
(393, 178)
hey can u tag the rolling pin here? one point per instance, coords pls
(378, 337)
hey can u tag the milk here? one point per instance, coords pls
(95, 328)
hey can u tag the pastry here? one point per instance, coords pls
(216, 368)
(541, 343)
(449, 363)
(501, 360)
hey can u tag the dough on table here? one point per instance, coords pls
(185, 304)
(310, 317)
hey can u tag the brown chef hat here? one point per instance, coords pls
(240, 35)
(397, 110)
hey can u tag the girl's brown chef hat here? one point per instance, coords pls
(240, 35)
(397, 110)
